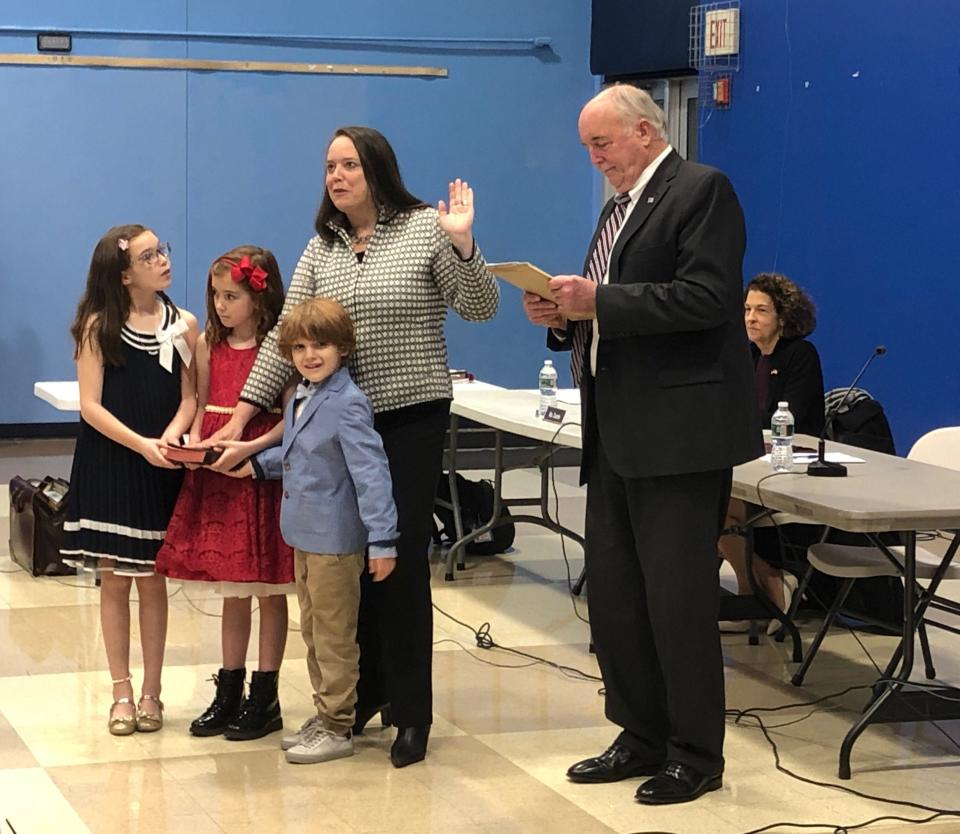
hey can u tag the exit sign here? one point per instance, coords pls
(721, 32)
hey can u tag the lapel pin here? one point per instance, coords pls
(651, 199)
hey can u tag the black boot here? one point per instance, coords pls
(364, 714)
(225, 704)
(260, 711)
(410, 746)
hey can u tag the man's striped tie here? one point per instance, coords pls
(596, 268)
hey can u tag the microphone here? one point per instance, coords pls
(821, 468)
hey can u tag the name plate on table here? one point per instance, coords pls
(554, 415)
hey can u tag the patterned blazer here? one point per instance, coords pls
(397, 297)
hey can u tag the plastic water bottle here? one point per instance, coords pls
(548, 387)
(781, 437)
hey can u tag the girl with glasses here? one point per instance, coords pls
(133, 349)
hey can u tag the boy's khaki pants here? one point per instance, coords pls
(328, 587)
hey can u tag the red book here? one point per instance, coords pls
(191, 454)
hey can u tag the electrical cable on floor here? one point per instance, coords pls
(751, 713)
(853, 633)
(198, 609)
(485, 641)
(482, 660)
(556, 518)
(482, 635)
(293, 627)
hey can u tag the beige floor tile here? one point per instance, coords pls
(501, 740)
(363, 792)
(545, 755)
(524, 562)
(14, 754)
(934, 827)
(32, 802)
(132, 796)
(480, 698)
(62, 718)
(49, 639)
(519, 614)
(21, 590)
(300, 821)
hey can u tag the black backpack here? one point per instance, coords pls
(476, 509)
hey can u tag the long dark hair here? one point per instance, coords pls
(105, 303)
(382, 173)
(267, 303)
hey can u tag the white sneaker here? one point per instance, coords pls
(321, 746)
(308, 728)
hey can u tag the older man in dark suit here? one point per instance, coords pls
(655, 326)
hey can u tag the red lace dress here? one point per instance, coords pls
(227, 530)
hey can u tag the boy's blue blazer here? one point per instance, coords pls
(337, 492)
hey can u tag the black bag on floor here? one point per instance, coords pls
(37, 510)
(476, 509)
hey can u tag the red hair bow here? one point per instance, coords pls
(255, 277)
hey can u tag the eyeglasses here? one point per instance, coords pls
(150, 257)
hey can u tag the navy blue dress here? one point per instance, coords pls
(119, 505)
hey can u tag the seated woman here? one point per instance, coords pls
(778, 316)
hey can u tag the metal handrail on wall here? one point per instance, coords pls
(347, 40)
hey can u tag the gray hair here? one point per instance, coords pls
(633, 104)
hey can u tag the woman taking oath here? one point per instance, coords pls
(396, 265)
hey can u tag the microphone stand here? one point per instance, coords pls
(821, 467)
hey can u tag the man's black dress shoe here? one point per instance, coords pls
(615, 763)
(677, 782)
(410, 746)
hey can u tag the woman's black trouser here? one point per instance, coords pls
(395, 629)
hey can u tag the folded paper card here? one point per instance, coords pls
(525, 276)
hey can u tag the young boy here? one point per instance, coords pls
(337, 502)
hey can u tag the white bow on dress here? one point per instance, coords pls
(173, 337)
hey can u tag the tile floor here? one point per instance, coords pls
(502, 737)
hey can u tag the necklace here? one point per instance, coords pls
(359, 240)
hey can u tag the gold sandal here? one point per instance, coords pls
(149, 722)
(121, 725)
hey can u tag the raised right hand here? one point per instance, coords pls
(542, 312)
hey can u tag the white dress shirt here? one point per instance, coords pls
(635, 193)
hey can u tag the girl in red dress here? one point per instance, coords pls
(225, 531)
